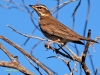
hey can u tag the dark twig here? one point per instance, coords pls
(37, 68)
(87, 16)
(96, 71)
(64, 50)
(75, 57)
(74, 13)
(29, 38)
(64, 60)
(67, 63)
(35, 46)
(85, 68)
(58, 52)
(62, 5)
(58, 2)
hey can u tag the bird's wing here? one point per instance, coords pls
(54, 27)
(58, 29)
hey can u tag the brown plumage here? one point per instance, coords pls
(53, 29)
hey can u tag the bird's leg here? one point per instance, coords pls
(48, 44)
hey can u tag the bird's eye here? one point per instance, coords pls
(40, 8)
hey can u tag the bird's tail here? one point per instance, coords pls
(87, 39)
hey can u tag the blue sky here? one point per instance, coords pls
(21, 21)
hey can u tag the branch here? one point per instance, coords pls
(14, 63)
(85, 68)
(26, 54)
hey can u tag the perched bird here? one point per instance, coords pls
(55, 30)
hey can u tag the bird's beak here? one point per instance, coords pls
(32, 6)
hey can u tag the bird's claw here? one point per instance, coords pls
(47, 46)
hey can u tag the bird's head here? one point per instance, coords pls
(41, 10)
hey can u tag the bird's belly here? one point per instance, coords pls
(54, 38)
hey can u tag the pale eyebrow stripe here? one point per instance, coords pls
(42, 6)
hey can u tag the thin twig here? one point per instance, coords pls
(74, 13)
(37, 68)
(61, 5)
(87, 16)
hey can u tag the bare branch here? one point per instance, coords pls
(26, 54)
(85, 68)
(14, 63)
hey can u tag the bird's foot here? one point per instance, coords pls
(47, 45)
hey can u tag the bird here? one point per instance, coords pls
(55, 30)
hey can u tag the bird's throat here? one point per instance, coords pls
(43, 15)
